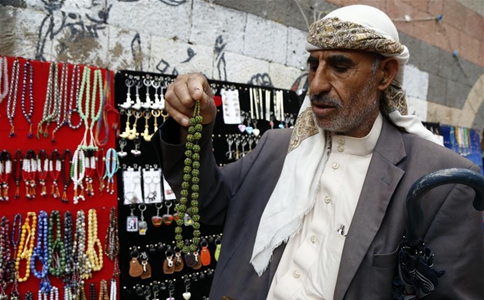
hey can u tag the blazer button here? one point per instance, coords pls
(296, 274)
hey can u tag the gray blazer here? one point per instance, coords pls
(235, 196)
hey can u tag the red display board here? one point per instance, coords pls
(65, 138)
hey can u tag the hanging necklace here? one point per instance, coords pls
(51, 111)
(43, 170)
(95, 115)
(100, 167)
(29, 168)
(65, 173)
(112, 166)
(57, 253)
(28, 115)
(93, 241)
(5, 171)
(75, 84)
(68, 247)
(63, 113)
(26, 245)
(41, 252)
(78, 170)
(4, 77)
(54, 293)
(54, 172)
(12, 96)
(17, 171)
(103, 290)
(79, 247)
(191, 173)
(111, 241)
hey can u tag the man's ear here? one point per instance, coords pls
(388, 70)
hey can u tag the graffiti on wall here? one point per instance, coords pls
(167, 2)
(70, 27)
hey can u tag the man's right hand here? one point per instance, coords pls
(181, 96)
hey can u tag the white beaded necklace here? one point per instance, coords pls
(54, 293)
(78, 170)
(12, 96)
(4, 77)
(113, 290)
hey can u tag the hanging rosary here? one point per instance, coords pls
(28, 115)
(191, 173)
(12, 96)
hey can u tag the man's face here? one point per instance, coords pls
(343, 90)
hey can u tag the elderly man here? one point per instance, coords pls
(324, 219)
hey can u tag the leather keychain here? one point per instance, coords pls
(145, 266)
(135, 268)
(178, 260)
(168, 264)
(204, 253)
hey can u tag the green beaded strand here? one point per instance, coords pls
(191, 173)
(56, 249)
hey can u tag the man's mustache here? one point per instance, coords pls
(325, 100)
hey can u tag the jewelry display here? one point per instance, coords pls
(3, 78)
(152, 185)
(28, 69)
(66, 173)
(41, 252)
(96, 260)
(55, 167)
(74, 96)
(12, 96)
(5, 172)
(26, 245)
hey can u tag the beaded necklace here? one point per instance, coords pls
(41, 251)
(28, 68)
(12, 96)
(82, 261)
(16, 227)
(107, 108)
(43, 170)
(54, 293)
(113, 290)
(29, 168)
(90, 106)
(112, 166)
(54, 172)
(51, 111)
(4, 77)
(90, 170)
(67, 293)
(93, 241)
(5, 171)
(73, 98)
(78, 170)
(103, 290)
(57, 251)
(100, 168)
(17, 171)
(191, 173)
(5, 254)
(111, 241)
(63, 113)
(26, 245)
(65, 173)
(95, 116)
(68, 247)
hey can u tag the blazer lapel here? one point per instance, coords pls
(382, 180)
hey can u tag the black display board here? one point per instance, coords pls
(157, 240)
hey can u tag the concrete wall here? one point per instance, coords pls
(252, 41)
